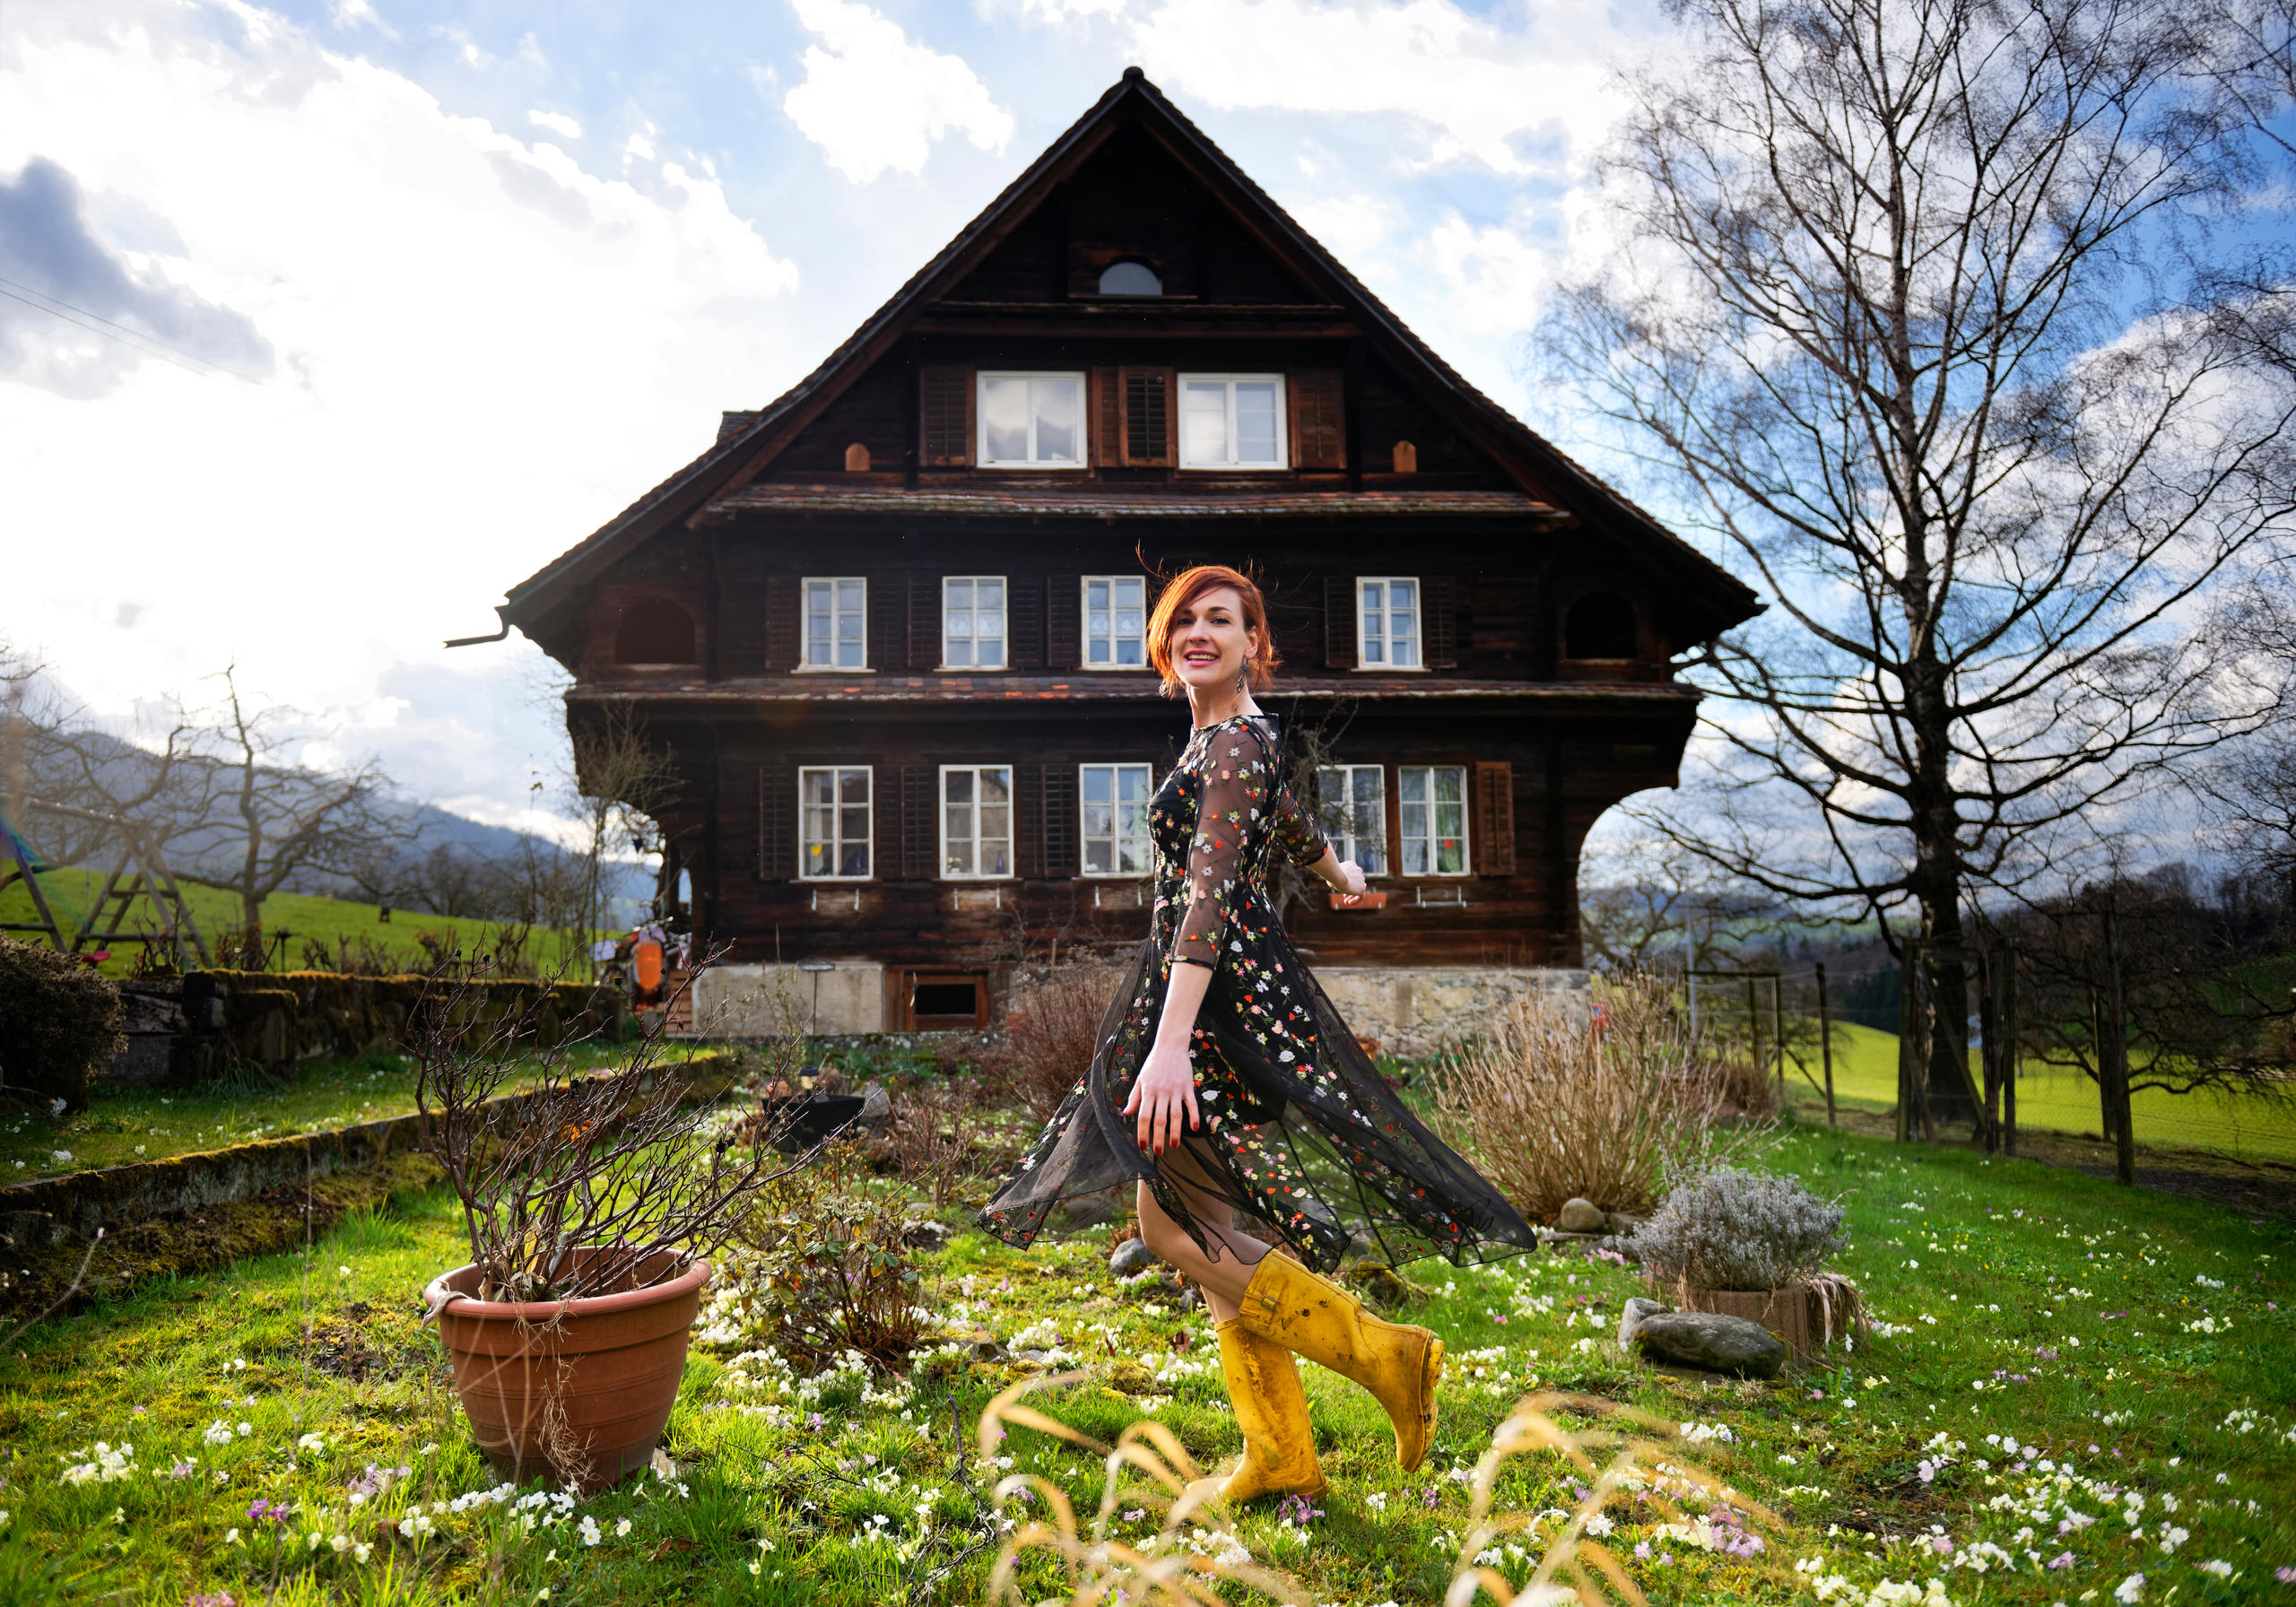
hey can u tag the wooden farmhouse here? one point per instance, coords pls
(890, 626)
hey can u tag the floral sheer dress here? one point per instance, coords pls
(1300, 1132)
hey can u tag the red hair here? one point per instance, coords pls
(1184, 590)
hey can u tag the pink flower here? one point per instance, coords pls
(2061, 1561)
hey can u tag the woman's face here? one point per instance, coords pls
(1210, 640)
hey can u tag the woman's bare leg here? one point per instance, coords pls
(1223, 1280)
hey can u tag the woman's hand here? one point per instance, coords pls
(1347, 880)
(1165, 1087)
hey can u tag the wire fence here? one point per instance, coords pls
(1804, 1025)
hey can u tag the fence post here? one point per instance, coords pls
(1777, 1033)
(2125, 1138)
(1825, 1042)
(1989, 1031)
(1908, 1034)
(1754, 1028)
(2007, 1005)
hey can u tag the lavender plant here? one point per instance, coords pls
(1739, 1231)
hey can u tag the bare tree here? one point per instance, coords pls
(1916, 310)
(282, 821)
(623, 781)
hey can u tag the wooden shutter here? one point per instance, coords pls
(1024, 622)
(1107, 417)
(777, 819)
(888, 605)
(1063, 622)
(917, 847)
(1494, 846)
(1028, 820)
(783, 629)
(924, 622)
(1339, 621)
(944, 412)
(1318, 433)
(1442, 623)
(1148, 423)
(885, 823)
(1059, 817)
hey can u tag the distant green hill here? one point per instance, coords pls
(71, 892)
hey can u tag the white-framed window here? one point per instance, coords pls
(1115, 799)
(1031, 421)
(1388, 621)
(972, 622)
(833, 822)
(1433, 815)
(837, 622)
(1233, 421)
(1115, 622)
(1355, 814)
(976, 822)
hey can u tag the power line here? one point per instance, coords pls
(135, 340)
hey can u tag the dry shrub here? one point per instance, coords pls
(1553, 1105)
(1050, 1030)
(936, 1140)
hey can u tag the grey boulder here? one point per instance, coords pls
(1130, 1257)
(1705, 1339)
(876, 1105)
(1581, 1216)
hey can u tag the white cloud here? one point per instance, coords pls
(557, 122)
(1524, 101)
(484, 351)
(874, 100)
(348, 14)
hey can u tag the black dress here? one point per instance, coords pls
(1300, 1131)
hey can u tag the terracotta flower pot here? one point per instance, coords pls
(576, 1390)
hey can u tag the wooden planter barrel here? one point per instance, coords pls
(1795, 1312)
(574, 1391)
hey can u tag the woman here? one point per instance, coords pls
(1225, 1082)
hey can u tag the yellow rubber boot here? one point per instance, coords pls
(1272, 1413)
(1315, 1317)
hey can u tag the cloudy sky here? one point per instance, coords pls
(321, 324)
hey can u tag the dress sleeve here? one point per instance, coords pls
(1297, 837)
(1234, 787)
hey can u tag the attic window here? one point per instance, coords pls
(1130, 279)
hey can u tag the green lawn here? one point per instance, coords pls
(2077, 1384)
(71, 892)
(1865, 1075)
(124, 1124)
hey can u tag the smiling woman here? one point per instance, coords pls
(1227, 1085)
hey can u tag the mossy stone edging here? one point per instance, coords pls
(193, 1213)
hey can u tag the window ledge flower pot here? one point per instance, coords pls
(574, 1391)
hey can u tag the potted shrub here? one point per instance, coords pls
(1747, 1244)
(592, 1201)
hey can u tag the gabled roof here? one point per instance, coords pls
(748, 442)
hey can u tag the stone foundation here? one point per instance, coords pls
(762, 1000)
(1415, 1011)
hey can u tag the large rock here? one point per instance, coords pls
(1581, 1216)
(1130, 1257)
(876, 1105)
(1702, 1339)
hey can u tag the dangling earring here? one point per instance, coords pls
(1240, 676)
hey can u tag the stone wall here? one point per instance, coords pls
(1414, 1011)
(755, 1001)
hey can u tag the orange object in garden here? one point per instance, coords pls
(645, 963)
